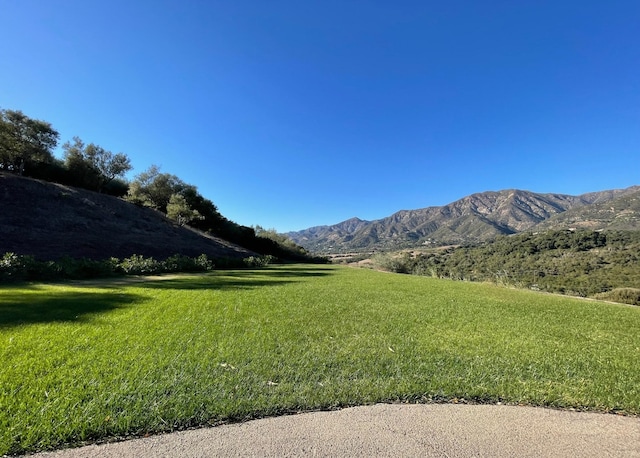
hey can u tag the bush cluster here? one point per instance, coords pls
(259, 261)
(624, 295)
(16, 268)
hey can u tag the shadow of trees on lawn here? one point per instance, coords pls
(32, 304)
(238, 279)
(18, 308)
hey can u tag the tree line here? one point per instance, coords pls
(26, 148)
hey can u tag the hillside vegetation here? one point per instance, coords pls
(581, 262)
(81, 205)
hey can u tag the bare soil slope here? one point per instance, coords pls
(49, 221)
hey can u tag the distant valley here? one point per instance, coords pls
(477, 218)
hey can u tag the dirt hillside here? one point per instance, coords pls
(49, 221)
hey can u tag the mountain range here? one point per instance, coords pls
(477, 218)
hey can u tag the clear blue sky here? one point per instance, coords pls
(291, 114)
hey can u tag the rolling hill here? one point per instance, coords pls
(50, 221)
(475, 218)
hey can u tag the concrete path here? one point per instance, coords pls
(431, 430)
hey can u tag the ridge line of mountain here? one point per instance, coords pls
(477, 217)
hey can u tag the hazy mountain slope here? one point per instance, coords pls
(49, 221)
(474, 218)
(606, 196)
(621, 212)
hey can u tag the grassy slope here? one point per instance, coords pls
(86, 362)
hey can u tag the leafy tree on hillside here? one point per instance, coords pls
(24, 141)
(183, 203)
(211, 219)
(94, 166)
(280, 239)
(281, 245)
(179, 210)
(154, 189)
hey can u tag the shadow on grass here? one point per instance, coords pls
(237, 279)
(48, 307)
(292, 272)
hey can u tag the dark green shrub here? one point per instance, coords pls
(139, 265)
(623, 295)
(204, 263)
(400, 264)
(13, 267)
(78, 269)
(259, 261)
(181, 263)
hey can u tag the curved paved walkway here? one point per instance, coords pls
(431, 430)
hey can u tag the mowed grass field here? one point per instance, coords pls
(89, 361)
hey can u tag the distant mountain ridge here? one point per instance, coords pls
(475, 218)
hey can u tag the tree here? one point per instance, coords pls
(94, 166)
(109, 165)
(81, 173)
(179, 210)
(154, 189)
(211, 217)
(24, 141)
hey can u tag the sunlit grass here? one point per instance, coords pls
(85, 362)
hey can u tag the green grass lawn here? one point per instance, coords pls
(88, 361)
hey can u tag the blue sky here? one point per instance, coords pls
(291, 114)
